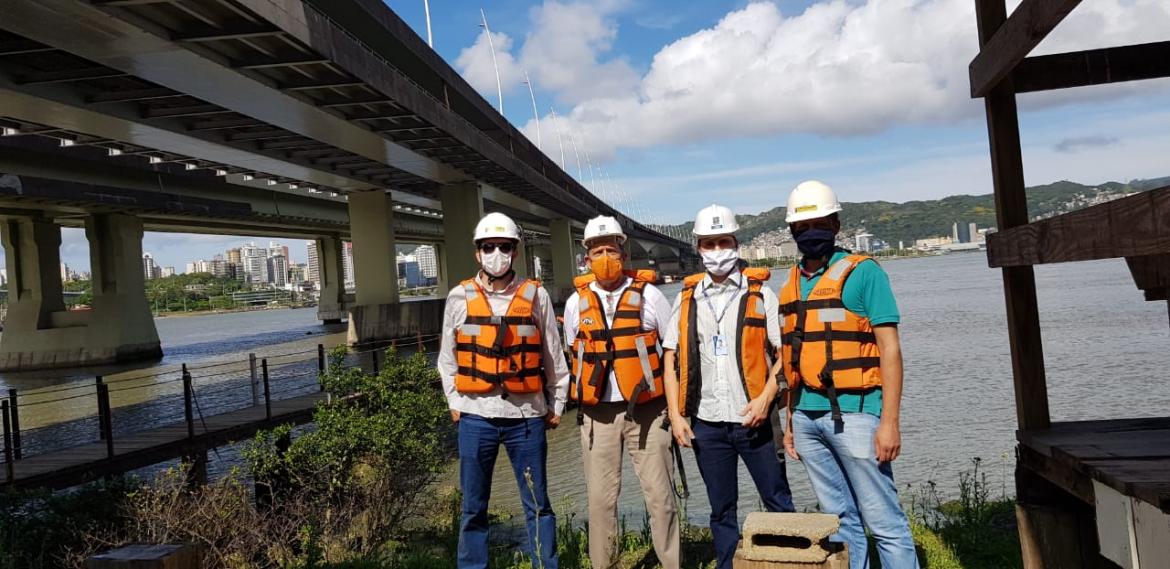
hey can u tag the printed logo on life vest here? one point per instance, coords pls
(823, 292)
(587, 321)
(523, 311)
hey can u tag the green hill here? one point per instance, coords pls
(912, 220)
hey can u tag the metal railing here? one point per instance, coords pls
(259, 373)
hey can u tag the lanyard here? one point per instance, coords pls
(719, 315)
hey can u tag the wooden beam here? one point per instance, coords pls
(1011, 209)
(1093, 67)
(999, 54)
(1151, 274)
(1135, 226)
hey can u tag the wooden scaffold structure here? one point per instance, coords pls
(1090, 493)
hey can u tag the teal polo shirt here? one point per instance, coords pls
(867, 293)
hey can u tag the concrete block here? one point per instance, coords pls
(774, 540)
(147, 556)
(385, 322)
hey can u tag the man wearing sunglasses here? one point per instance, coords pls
(613, 322)
(506, 381)
(843, 362)
(720, 345)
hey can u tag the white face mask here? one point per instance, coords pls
(496, 263)
(720, 261)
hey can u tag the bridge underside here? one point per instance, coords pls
(324, 120)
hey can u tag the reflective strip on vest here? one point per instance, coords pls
(634, 298)
(528, 292)
(470, 329)
(470, 292)
(759, 308)
(838, 269)
(827, 315)
(582, 303)
(525, 331)
(580, 360)
(644, 357)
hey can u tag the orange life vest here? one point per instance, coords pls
(752, 348)
(632, 354)
(827, 347)
(499, 351)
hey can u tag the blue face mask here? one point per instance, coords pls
(816, 243)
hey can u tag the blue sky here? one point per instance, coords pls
(737, 101)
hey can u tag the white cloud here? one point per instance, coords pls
(561, 52)
(838, 68)
(475, 63)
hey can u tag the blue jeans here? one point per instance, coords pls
(479, 443)
(718, 446)
(849, 481)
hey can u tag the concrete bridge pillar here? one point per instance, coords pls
(564, 259)
(375, 261)
(462, 210)
(331, 303)
(40, 333)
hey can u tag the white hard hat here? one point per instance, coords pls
(496, 225)
(715, 220)
(603, 226)
(811, 200)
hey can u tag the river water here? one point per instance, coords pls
(1106, 351)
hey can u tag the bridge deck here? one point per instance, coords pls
(77, 465)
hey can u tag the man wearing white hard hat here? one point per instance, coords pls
(506, 381)
(720, 346)
(613, 323)
(843, 363)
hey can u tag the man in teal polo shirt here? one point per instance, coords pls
(843, 409)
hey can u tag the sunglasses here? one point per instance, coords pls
(488, 248)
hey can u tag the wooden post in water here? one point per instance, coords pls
(254, 379)
(321, 365)
(98, 386)
(267, 392)
(106, 421)
(15, 410)
(188, 412)
(9, 468)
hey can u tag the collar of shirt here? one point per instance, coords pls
(732, 280)
(808, 275)
(487, 287)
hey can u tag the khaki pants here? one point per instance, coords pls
(603, 435)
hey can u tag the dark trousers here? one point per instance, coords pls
(718, 446)
(479, 444)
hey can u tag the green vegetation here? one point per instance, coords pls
(195, 292)
(913, 220)
(359, 490)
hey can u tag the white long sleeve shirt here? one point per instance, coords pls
(655, 313)
(722, 396)
(498, 403)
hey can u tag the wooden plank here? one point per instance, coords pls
(1092, 67)
(1007, 44)
(1151, 273)
(1011, 206)
(1059, 473)
(1134, 226)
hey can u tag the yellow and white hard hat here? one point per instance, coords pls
(495, 226)
(715, 220)
(810, 200)
(603, 226)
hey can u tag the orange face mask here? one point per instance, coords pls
(606, 268)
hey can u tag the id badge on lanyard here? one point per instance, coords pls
(719, 341)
